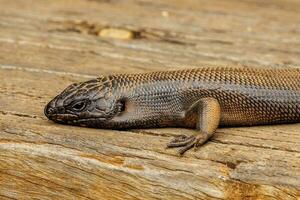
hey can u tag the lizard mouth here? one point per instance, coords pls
(70, 119)
(62, 118)
(94, 122)
(89, 119)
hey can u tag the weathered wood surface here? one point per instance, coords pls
(46, 45)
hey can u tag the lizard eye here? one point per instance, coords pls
(79, 106)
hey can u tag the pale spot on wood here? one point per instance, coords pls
(116, 33)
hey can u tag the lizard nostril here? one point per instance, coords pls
(49, 111)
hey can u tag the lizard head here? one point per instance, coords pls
(89, 103)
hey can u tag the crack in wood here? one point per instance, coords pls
(60, 73)
(253, 145)
(19, 114)
(85, 27)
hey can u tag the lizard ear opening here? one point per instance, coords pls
(122, 106)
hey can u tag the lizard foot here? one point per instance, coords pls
(187, 142)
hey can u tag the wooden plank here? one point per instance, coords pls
(44, 47)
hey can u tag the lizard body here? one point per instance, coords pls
(202, 98)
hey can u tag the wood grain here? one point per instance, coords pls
(46, 46)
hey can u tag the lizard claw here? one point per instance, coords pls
(187, 142)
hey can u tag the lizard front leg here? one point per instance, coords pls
(208, 114)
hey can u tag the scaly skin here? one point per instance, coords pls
(202, 98)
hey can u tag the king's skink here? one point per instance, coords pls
(202, 98)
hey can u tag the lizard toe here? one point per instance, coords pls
(187, 146)
(180, 141)
(198, 140)
(180, 138)
(188, 142)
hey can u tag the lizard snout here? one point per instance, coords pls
(50, 110)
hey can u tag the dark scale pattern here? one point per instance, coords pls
(247, 96)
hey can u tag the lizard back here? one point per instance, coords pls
(247, 96)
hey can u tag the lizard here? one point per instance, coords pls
(203, 98)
